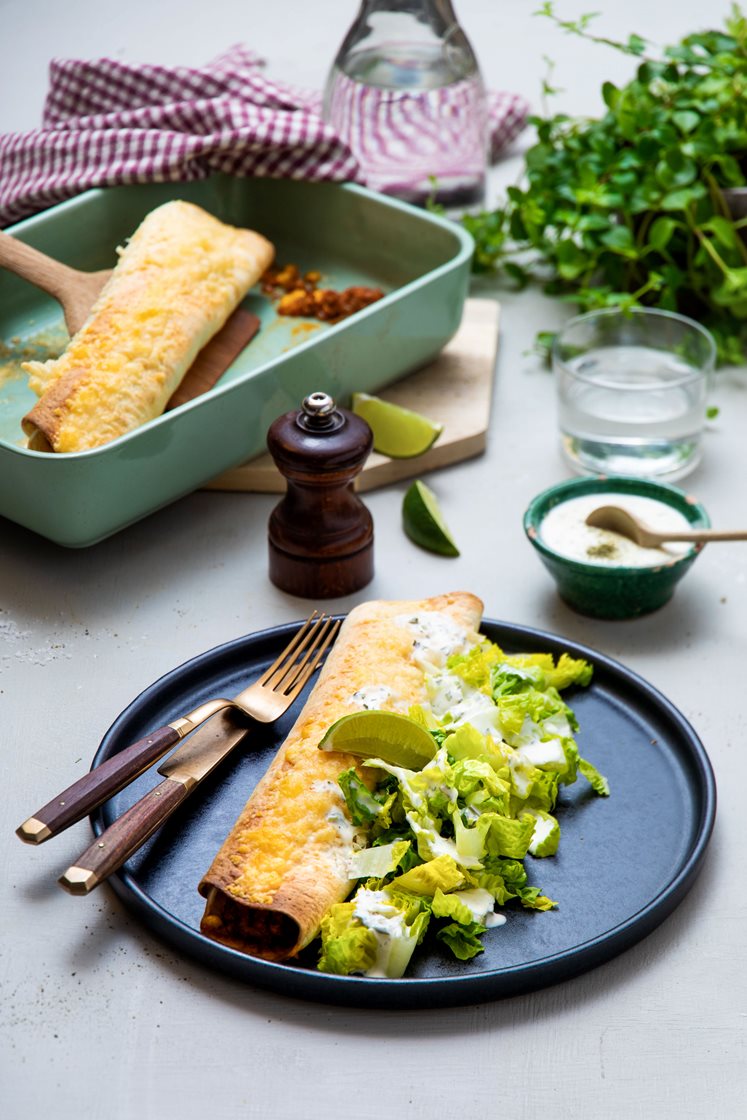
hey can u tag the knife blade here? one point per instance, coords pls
(183, 771)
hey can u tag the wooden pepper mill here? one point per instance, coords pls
(320, 534)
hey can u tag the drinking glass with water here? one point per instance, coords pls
(632, 389)
(406, 94)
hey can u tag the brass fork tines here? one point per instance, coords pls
(265, 700)
(290, 672)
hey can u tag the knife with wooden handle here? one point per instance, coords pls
(95, 787)
(183, 771)
(101, 783)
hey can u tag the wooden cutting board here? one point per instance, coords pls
(454, 390)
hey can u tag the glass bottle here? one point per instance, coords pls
(406, 94)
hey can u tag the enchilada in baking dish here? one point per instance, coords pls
(177, 280)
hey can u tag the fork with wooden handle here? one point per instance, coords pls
(265, 701)
(184, 770)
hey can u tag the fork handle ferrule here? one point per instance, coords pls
(128, 833)
(95, 787)
(186, 724)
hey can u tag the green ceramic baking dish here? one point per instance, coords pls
(352, 235)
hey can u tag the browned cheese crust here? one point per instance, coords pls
(181, 275)
(285, 862)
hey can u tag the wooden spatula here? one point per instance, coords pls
(77, 291)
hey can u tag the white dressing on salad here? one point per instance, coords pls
(464, 817)
(351, 838)
(542, 828)
(441, 845)
(450, 696)
(558, 724)
(444, 693)
(478, 710)
(480, 904)
(372, 696)
(376, 912)
(520, 775)
(548, 753)
(435, 637)
(564, 530)
(328, 786)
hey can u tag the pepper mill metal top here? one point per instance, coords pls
(319, 414)
(320, 534)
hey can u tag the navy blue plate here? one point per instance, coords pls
(624, 862)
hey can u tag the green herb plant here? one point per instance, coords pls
(629, 209)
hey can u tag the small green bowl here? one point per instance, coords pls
(606, 591)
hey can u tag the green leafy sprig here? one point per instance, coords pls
(629, 209)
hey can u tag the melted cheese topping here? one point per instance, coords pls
(291, 846)
(176, 282)
(294, 825)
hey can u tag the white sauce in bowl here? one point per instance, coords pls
(565, 531)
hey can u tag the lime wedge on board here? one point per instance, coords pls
(393, 738)
(423, 521)
(398, 432)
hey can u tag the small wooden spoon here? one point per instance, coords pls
(624, 523)
(77, 291)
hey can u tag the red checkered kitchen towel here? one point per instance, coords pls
(107, 122)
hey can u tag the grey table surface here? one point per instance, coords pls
(98, 1018)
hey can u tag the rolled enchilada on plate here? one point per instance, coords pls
(286, 861)
(443, 840)
(180, 276)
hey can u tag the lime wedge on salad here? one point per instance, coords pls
(398, 432)
(395, 739)
(424, 523)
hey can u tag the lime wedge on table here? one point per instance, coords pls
(398, 432)
(423, 521)
(393, 738)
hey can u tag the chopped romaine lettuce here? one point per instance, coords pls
(374, 934)
(597, 781)
(362, 805)
(347, 945)
(464, 941)
(439, 874)
(446, 842)
(546, 835)
(379, 861)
